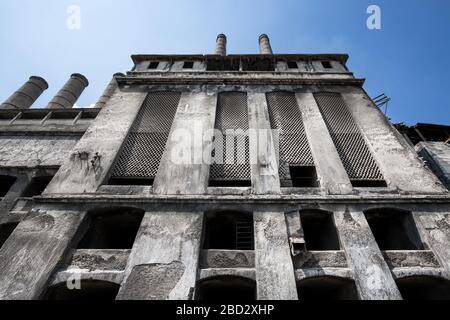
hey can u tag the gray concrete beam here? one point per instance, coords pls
(109, 91)
(164, 260)
(275, 275)
(373, 277)
(330, 170)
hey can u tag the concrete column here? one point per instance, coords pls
(390, 149)
(26, 95)
(8, 201)
(221, 45)
(164, 259)
(263, 158)
(69, 94)
(434, 228)
(109, 91)
(330, 170)
(372, 274)
(264, 44)
(33, 251)
(184, 167)
(275, 276)
(105, 137)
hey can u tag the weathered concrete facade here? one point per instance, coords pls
(122, 202)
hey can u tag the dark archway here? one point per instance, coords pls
(6, 182)
(94, 290)
(327, 288)
(226, 288)
(114, 228)
(232, 230)
(424, 288)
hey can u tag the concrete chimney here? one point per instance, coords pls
(109, 91)
(69, 94)
(264, 44)
(26, 95)
(221, 45)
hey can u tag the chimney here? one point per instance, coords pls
(264, 44)
(26, 95)
(109, 91)
(221, 45)
(69, 94)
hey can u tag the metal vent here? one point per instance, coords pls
(293, 147)
(244, 235)
(145, 144)
(350, 144)
(232, 114)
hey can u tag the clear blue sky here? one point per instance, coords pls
(408, 59)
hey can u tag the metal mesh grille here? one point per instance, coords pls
(293, 147)
(232, 114)
(145, 144)
(350, 144)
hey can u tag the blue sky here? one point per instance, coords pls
(407, 59)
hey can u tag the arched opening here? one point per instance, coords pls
(394, 229)
(228, 231)
(424, 288)
(327, 288)
(6, 182)
(112, 229)
(226, 288)
(319, 230)
(36, 186)
(5, 231)
(93, 290)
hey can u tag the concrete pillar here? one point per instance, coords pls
(8, 201)
(34, 250)
(434, 228)
(184, 168)
(221, 45)
(264, 44)
(275, 276)
(263, 158)
(164, 259)
(69, 94)
(109, 91)
(330, 170)
(373, 277)
(26, 95)
(102, 138)
(390, 148)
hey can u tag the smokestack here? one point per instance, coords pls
(26, 95)
(221, 45)
(69, 94)
(109, 91)
(264, 44)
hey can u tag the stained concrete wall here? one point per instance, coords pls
(35, 150)
(34, 250)
(437, 156)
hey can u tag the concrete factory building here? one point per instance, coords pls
(210, 177)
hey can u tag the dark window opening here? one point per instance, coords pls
(226, 288)
(118, 181)
(394, 230)
(36, 186)
(153, 65)
(292, 65)
(303, 177)
(188, 65)
(327, 64)
(6, 182)
(369, 183)
(228, 231)
(424, 288)
(230, 183)
(258, 64)
(5, 232)
(327, 288)
(319, 231)
(112, 229)
(91, 290)
(223, 64)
